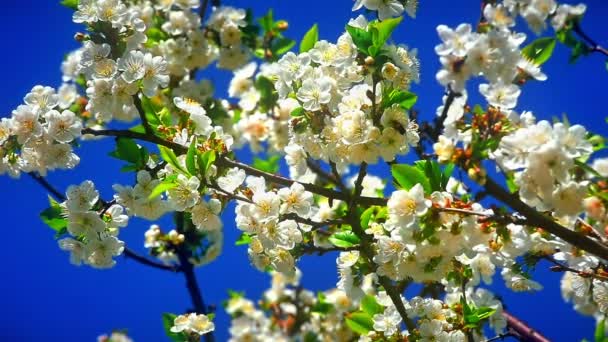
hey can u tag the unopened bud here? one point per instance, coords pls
(477, 174)
(369, 61)
(80, 37)
(282, 25)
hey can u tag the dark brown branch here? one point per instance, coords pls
(594, 45)
(135, 135)
(537, 219)
(187, 268)
(45, 184)
(559, 267)
(130, 254)
(142, 115)
(523, 330)
(319, 190)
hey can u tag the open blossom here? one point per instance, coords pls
(205, 215)
(500, 95)
(81, 198)
(295, 200)
(314, 93)
(386, 8)
(404, 206)
(185, 194)
(63, 127)
(195, 323)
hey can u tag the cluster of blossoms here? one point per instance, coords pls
(388, 8)
(536, 13)
(542, 157)
(93, 227)
(288, 311)
(343, 120)
(263, 218)
(192, 323)
(38, 135)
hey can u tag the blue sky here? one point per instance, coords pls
(42, 296)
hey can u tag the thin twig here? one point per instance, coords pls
(537, 219)
(594, 45)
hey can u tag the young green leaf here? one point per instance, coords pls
(205, 160)
(344, 239)
(127, 150)
(169, 156)
(600, 331)
(282, 45)
(361, 38)
(360, 322)
(244, 239)
(54, 218)
(540, 50)
(382, 30)
(72, 4)
(310, 38)
(160, 188)
(407, 176)
(168, 319)
(270, 165)
(371, 306)
(366, 217)
(191, 157)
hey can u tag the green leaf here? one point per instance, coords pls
(381, 31)
(73, 4)
(169, 156)
(205, 160)
(370, 306)
(160, 188)
(360, 322)
(361, 38)
(407, 176)
(600, 331)
(540, 50)
(127, 150)
(366, 217)
(268, 95)
(344, 239)
(270, 165)
(310, 39)
(244, 239)
(404, 98)
(282, 45)
(54, 218)
(267, 21)
(433, 173)
(298, 112)
(191, 157)
(168, 319)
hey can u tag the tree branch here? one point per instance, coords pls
(128, 253)
(319, 190)
(523, 330)
(535, 218)
(184, 254)
(594, 45)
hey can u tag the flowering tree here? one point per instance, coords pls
(531, 190)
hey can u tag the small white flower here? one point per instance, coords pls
(64, 127)
(81, 198)
(404, 206)
(205, 215)
(500, 95)
(185, 195)
(314, 93)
